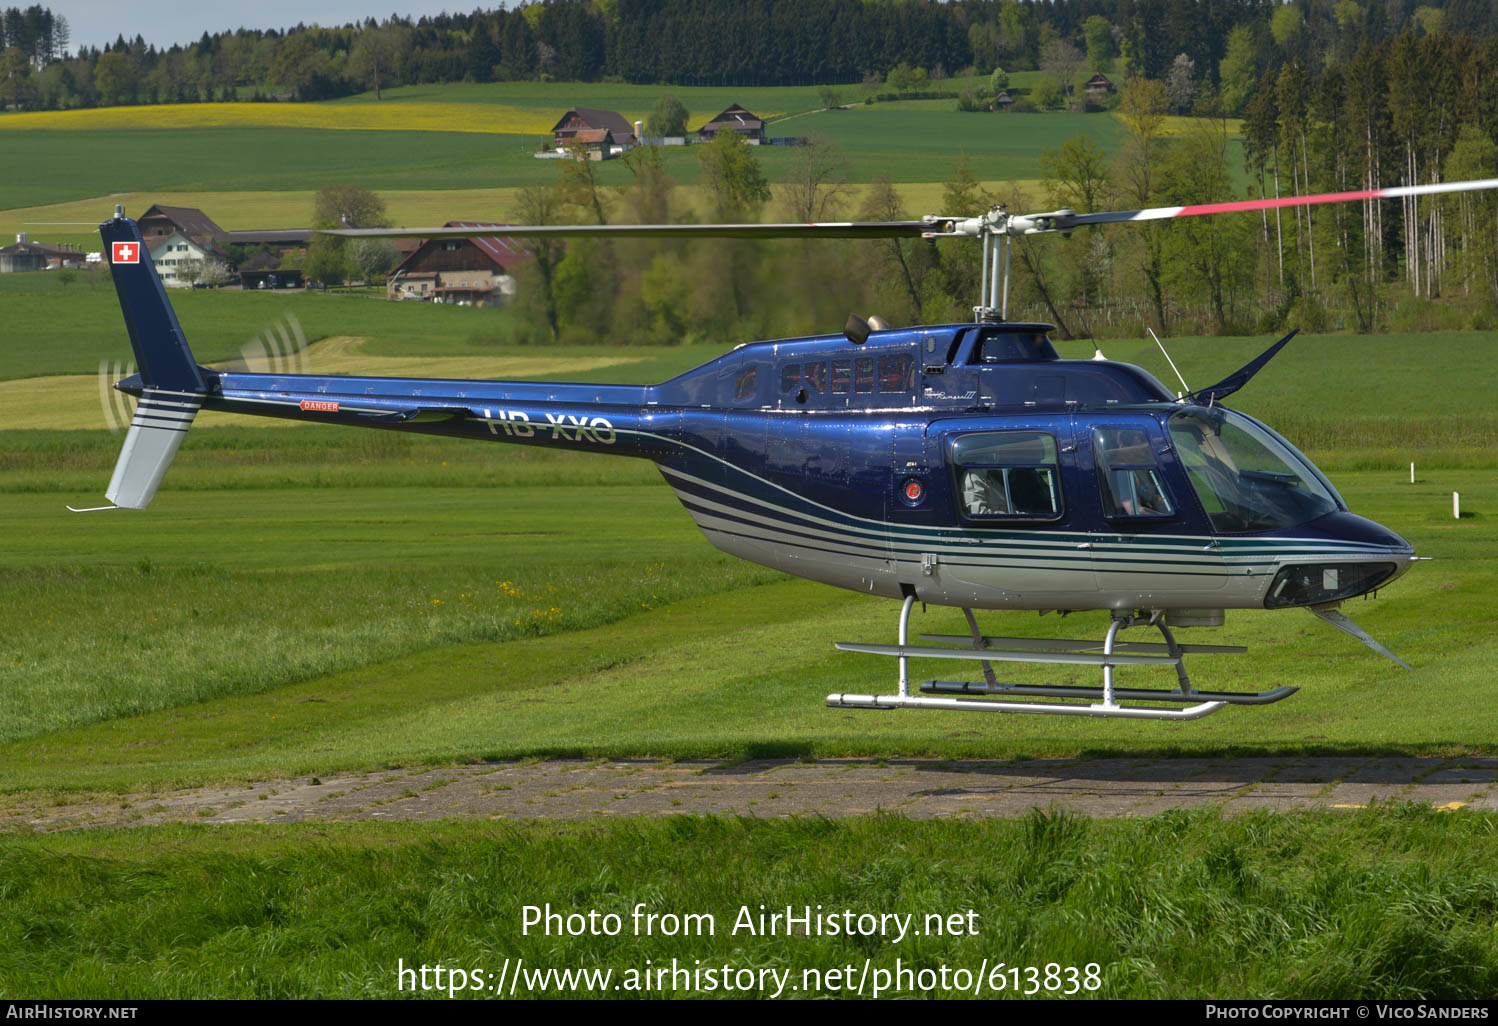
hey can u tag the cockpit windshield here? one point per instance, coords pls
(1247, 477)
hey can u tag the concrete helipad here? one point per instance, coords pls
(576, 789)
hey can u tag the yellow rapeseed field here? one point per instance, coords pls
(415, 117)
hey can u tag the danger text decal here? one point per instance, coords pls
(320, 405)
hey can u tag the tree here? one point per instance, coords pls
(373, 258)
(1047, 92)
(539, 204)
(1238, 70)
(732, 177)
(649, 199)
(668, 117)
(327, 261)
(830, 96)
(1097, 31)
(114, 77)
(378, 55)
(1142, 108)
(1207, 258)
(1075, 175)
(579, 186)
(1285, 25)
(1181, 85)
(350, 206)
(819, 175)
(15, 76)
(298, 63)
(882, 203)
(1063, 61)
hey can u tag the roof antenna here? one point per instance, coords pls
(1184, 386)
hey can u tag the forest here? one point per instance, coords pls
(1285, 99)
(1225, 45)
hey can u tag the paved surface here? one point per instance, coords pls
(575, 789)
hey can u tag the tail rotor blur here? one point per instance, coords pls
(280, 349)
(117, 407)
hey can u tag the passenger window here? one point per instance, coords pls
(743, 385)
(1008, 474)
(863, 374)
(1128, 475)
(894, 373)
(790, 377)
(816, 377)
(842, 374)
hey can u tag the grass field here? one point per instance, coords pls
(1389, 903)
(468, 138)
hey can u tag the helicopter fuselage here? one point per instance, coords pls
(965, 465)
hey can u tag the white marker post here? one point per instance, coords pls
(1456, 505)
(1412, 473)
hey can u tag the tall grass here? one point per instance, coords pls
(1390, 903)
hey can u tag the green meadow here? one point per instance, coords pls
(1382, 904)
(902, 145)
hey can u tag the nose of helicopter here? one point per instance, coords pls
(1349, 527)
(1363, 555)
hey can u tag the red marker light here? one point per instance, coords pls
(913, 491)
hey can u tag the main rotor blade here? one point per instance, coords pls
(1271, 203)
(814, 230)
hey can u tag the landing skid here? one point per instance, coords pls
(992, 695)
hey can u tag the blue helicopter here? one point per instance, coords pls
(958, 465)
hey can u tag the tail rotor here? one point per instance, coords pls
(117, 407)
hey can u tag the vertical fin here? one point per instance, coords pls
(173, 386)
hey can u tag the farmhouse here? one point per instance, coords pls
(1097, 86)
(735, 119)
(466, 272)
(597, 142)
(26, 255)
(585, 119)
(183, 262)
(191, 223)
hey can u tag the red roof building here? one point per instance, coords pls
(583, 119)
(735, 119)
(467, 272)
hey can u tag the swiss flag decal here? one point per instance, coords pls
(125, 253)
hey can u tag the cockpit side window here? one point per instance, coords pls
(1007, 474)
(1128, 474)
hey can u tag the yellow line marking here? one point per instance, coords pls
(1450, 806)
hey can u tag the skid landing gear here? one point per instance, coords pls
(1107, 654)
